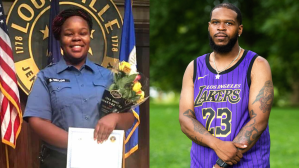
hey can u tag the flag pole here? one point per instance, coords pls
(128, 53)
(6, 153)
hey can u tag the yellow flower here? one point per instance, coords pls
(141, 93)
(125, 67)
(137, 87)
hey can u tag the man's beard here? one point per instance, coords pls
(223, 49)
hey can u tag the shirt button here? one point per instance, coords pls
(86, 117)
(82, 85)
(85, 100)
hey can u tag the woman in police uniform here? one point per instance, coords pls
(66, 94)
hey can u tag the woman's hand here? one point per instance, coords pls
(105, 126)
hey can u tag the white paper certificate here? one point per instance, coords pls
(84, 152)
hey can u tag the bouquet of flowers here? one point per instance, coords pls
(126, 92)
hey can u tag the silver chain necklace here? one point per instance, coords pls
(218, 76)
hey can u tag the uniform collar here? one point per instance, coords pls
(61, 65)
(91, 65)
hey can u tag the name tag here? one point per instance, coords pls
(49, 80)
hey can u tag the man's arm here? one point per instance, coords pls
(195, 131)
(260, 102)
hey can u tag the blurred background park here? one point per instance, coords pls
(178, 34)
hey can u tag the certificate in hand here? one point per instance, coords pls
(83, 151)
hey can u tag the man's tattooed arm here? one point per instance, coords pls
(198, 127)
(251, 132)
(265, 97)
(260, 100)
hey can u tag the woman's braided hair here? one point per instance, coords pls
(64, 15)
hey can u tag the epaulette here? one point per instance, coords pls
(51, 64)
(98, 64)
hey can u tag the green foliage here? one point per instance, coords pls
(124, 84)
(175, 40)
(179, 35)
(170, 148)
(282, 27)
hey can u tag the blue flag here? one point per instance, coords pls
(54, 53)
(128, 53)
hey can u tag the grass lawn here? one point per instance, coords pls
(169, 147)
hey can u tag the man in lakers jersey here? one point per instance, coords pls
(226, 99)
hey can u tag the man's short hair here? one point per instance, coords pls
(229, 6)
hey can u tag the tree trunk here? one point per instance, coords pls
(295, 94)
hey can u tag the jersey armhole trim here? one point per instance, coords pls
(194, 69)
(249, 70)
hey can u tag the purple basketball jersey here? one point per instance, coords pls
(221, 105)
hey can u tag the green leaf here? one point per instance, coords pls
(112, 87)
(126, 80)
(135, 98)
(125, 93)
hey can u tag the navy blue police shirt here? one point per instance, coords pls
(68, 97)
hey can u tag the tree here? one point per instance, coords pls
(282, 28)
(179, 34)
